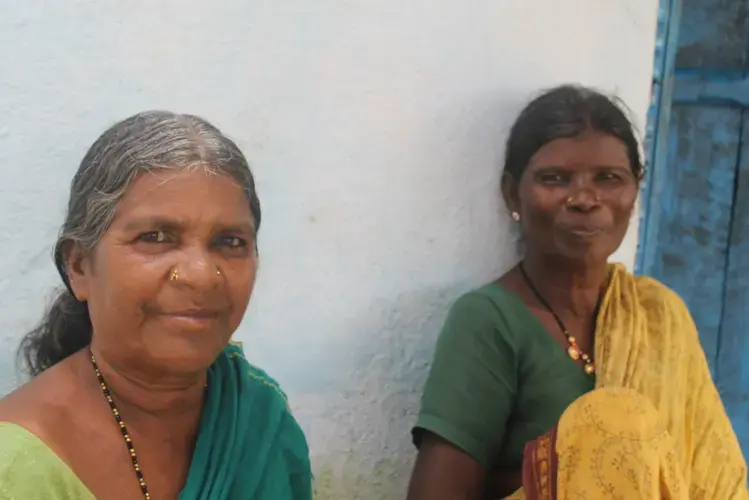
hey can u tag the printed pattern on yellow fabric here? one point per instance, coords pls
(655, 427)
(647, 341)
(612, 444)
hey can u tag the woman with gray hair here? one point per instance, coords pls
(137, 390)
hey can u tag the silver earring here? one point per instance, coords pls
(515, 216)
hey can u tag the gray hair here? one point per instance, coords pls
(145, 142)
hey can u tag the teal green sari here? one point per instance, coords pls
(249, 446)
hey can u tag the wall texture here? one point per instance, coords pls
(375, 128)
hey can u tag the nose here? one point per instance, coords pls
(583, 201)
(197, 268)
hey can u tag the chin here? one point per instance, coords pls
(586, 257)
(185, 353)
(582, 251)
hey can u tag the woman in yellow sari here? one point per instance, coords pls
(655, 426)
(568, 377)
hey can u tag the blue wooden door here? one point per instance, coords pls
(695, 229)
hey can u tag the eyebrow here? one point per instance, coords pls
(176, 225)
(568, 167)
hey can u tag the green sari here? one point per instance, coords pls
(249, 446)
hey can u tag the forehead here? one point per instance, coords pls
(188, 195)
(588, 149)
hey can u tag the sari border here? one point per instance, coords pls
(540, 468)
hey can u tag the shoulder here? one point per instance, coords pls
(490, 303)
(490, 312)
(480, 339)
(267, 391)
(30, 470)
(491, 297)
(665, 311)
(642, 292)
(45, 404)
(267, 385)
(651, 288)
(257, 379)
(655, 296)
(16, 440)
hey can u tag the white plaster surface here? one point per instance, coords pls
(375, 128)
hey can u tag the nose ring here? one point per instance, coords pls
(218, 271)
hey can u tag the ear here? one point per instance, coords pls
(510, 193)
(78, 270)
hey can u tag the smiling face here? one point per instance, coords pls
(191, 225)
(575, 198)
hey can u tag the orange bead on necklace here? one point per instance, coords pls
(573, 350)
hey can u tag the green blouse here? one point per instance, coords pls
(29, 470)
(498, 378)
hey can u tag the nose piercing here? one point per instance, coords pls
(174, 275)
(569, 200)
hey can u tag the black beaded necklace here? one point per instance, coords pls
(573, 350)
(123, 428)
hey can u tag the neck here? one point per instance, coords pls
(575, 288)
(163, 403)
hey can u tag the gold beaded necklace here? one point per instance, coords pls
(123, 428)
(573, 350)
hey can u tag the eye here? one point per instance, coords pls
(552, 178)
(154, 237)
(231, 242)
(609, 177)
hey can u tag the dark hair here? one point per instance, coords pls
(144, 142)
(563, 112)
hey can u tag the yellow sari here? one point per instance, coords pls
(655, 427)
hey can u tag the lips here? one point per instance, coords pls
(193, 313)
(191, 319)
(584, 231)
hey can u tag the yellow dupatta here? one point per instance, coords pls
(655, 427)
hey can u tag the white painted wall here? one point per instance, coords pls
(375, 128)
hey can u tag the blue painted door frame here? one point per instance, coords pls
(694, 233)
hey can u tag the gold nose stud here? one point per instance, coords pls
(174, 275)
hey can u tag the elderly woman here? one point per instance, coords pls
(568, 376)
(138, 391)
